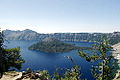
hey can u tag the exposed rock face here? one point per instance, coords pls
(50, 39)
(116, 52)
(21, 35)
(32, 35)
(11, 75)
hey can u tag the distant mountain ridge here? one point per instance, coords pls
(20, 35)
(32, 35)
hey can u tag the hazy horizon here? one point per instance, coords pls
(60, 16)
(59, 32)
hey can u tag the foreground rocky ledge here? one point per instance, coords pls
(11, 76)
(27, 75)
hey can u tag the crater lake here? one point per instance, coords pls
(37, 60)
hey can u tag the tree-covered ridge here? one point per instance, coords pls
(52, 45)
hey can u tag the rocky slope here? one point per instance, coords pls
(32, 35)
(116, 54)
(21, 35)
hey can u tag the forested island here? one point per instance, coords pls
(52, 45)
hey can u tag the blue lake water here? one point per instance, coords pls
(37, 60)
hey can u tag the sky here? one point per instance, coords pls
(51, 16)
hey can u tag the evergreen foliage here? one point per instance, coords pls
(106, 66)
(70, 74)
(52, 46)
(104, 69)
(9, 58)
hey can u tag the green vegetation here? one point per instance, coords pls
(106, 66)
(9, 58)
(70, 74)
(114, 40)
(104, 69)
(52, 45)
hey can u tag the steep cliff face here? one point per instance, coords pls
(21, 35)
(32, 35)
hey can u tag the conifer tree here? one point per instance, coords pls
(1, 55)
(9, 58)
(105, 67)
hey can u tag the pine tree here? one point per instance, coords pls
(106, 66)
(9, 58)
(1, 55)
